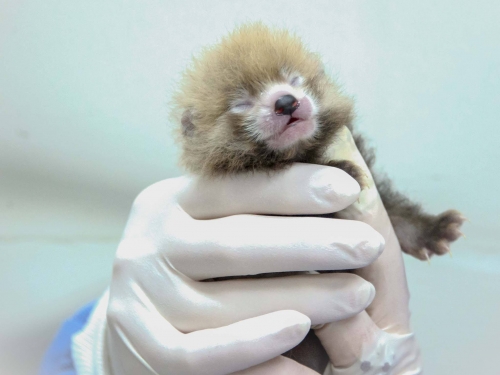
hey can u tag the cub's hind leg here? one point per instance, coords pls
(419, 233)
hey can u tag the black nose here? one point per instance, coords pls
(286, 105)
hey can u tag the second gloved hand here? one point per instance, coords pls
(378, 340)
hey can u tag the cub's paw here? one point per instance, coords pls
(351, 169)
(444, 229)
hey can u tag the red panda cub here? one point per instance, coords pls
(259, 100)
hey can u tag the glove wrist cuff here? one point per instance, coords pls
(392, 354)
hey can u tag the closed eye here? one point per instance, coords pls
(296, 81)
(243, 106)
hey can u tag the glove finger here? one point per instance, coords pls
(343, 340)
(191, 305)
(278, 366)
(164, 350)
(251, 244)
(301, 189)
(323, 298)
(249, 342)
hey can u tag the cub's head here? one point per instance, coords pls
(256, 100)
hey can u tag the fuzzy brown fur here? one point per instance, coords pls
(216, 141)
(247, 60)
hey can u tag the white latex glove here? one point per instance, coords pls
(378, 341)
(161, 319)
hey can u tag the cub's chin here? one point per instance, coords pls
(295, 131)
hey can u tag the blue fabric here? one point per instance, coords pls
(57, 360)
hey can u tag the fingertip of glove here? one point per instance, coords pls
(367, 293)
(294, 322)
(334, 187)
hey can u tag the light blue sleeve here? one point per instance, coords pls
(57, 360)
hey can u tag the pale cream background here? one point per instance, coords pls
(84, 88)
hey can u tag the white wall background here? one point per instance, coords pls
(84, 88)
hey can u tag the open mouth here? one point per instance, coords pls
(292, 121)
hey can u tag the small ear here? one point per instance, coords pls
(187, 123)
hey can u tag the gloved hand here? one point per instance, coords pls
(379, 340)
(160, 318)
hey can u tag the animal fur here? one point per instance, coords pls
(223, 118)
